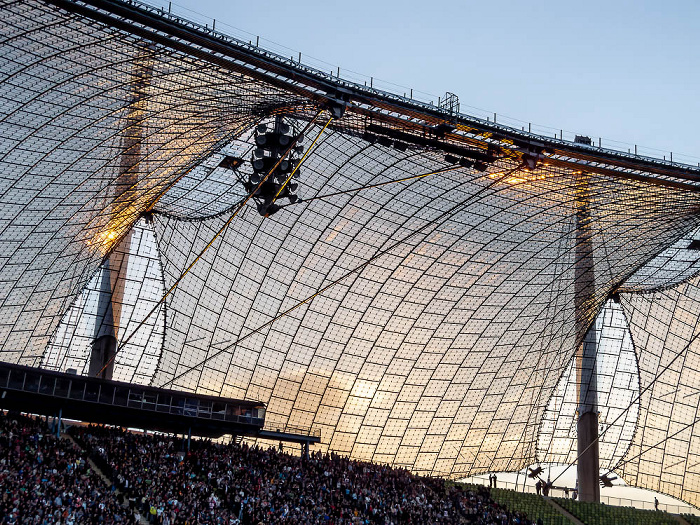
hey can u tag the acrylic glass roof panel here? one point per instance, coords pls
(665, 452)
(425, 323)
(441, 350)
(617, 390)
(137, 258)
(676, 264)
(87, 147)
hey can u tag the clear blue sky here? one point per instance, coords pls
(622, 70)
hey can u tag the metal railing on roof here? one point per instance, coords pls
(337, 81)
(292, 429)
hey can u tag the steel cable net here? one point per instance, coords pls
(665, 452)
(448, 312)
(617, 389)
(87, 147)
(142, 288)
(439, 355)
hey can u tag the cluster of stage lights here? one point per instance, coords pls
(606, 480)
(277, 151)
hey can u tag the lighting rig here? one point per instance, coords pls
(606, 480)
(272, 141)
(532, 157)
(535, 472)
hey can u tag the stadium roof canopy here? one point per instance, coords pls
(421, 303)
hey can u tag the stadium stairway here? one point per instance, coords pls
(562, 510)
(98, 470)
(89, 460)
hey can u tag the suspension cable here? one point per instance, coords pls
(239, 207)
(683, 428)
(355, 270)
(641, 392)
(377, 185)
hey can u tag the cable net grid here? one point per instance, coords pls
(664, 454)
(96, 125)
(440, 348)
(378, 376)
(617, 387)
(142, 281)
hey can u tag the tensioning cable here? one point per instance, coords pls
(377, 185)
(221, 230)
(641, 392)
(355, 270)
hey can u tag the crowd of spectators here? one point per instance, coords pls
(46, 480)
(232, 484)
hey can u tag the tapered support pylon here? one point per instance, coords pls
(587, 426)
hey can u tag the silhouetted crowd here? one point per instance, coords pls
(46, 480)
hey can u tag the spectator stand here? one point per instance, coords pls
(98, 400)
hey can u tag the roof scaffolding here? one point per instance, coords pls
(418, 304)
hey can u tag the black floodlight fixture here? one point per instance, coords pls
(385, 141)
(266, 209)
(258, 165)
(441, 129)
(606, 480)
(338, 101)
(534, 472)
(369, 137)
(401, 146)
(275, 162)
(336, 108)
(465, 163)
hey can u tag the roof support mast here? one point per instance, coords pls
(584, 285)
(114, 268)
